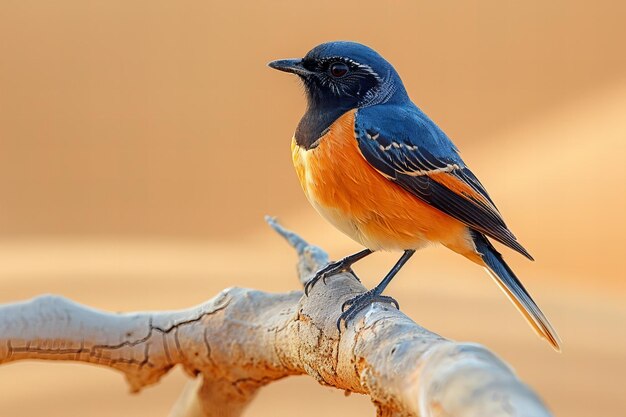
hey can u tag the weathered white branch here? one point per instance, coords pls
(243, 339)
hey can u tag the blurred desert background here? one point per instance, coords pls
(141, 143)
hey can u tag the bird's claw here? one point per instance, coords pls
(352, 307)
(326, 272)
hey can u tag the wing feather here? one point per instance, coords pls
(410, 150)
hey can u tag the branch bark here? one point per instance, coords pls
(243, 339)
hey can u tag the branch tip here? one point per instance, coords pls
(311, 257)
(292, 238)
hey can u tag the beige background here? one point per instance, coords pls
(141, 142)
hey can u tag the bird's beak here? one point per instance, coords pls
(289, 65)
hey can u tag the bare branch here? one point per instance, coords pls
(144, 346)
(243, 339)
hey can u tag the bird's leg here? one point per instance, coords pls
(334, 268)
(357, 304)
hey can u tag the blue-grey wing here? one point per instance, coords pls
(405, 146)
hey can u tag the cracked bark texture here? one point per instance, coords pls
(243, 339)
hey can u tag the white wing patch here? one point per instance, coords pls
(415, 171)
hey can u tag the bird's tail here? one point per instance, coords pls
(513, 288)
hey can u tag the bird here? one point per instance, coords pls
(374, 165)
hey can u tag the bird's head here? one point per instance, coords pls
(345, 75)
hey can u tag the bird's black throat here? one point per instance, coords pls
(316, 122)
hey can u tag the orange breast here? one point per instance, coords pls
(364, 204)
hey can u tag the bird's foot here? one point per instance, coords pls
(355, 305)
(329, 270)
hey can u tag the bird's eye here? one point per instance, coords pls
(338, 69)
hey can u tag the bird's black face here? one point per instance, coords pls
(333, 81)
(338, 81)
